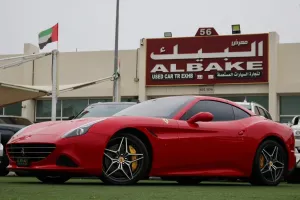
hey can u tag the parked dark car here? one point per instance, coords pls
(16, 120)
(9, 125)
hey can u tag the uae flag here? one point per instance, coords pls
(48, 36)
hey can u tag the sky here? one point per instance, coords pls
(89, 25)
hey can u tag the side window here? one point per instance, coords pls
(221, 111)
(266, 113)
(296, 122)
(269, 115)
(239, 114)
(262, 113)
(256, 110)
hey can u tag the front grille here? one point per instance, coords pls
(32, 152)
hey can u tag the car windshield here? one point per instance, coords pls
(166, 107)
(101, 110)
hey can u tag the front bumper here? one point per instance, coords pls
(77, 156)
(297, 154)
(1, 152)
(297, 143)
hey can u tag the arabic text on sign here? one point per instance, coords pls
(247, 74)
(239, 43)
(201, 55)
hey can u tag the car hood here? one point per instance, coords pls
(57, 128)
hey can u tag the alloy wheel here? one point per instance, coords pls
(124, 159)
(271, 163)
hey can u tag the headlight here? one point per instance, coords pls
(81, 130)
(297, 134)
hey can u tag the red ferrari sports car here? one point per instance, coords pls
(183, 138)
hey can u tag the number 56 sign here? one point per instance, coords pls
(210, 31)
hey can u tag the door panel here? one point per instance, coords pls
(216, 146)
(211, 145)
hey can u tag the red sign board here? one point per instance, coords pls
(231, 59)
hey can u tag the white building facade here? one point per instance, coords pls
(256, 67)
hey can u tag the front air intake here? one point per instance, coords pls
(32, 152)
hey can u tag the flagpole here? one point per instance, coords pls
(54, 85)
(116, 59)
(57, 36)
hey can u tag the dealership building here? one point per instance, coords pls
(255, 67)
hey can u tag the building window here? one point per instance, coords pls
(91, 101)
(13, 109)
(43, 109)
(129, 99)
(68, 107)
(289, 107)
(72, 107)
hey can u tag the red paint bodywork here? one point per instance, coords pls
(208, 44)
(221, 149)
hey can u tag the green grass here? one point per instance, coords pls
(19, 188)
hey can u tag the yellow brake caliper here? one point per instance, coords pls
(261, 161)
(134, 164)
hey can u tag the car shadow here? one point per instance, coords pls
(78, 182)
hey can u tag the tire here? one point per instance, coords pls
(121, 162)
(166, 178)
(294, 177)
(22, 174)
(4, 172)
(188, 181)
(53, 179)
(263, 170)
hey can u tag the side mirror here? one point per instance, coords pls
(71, 117)
(201, 117)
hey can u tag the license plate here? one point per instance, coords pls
(22, 162)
